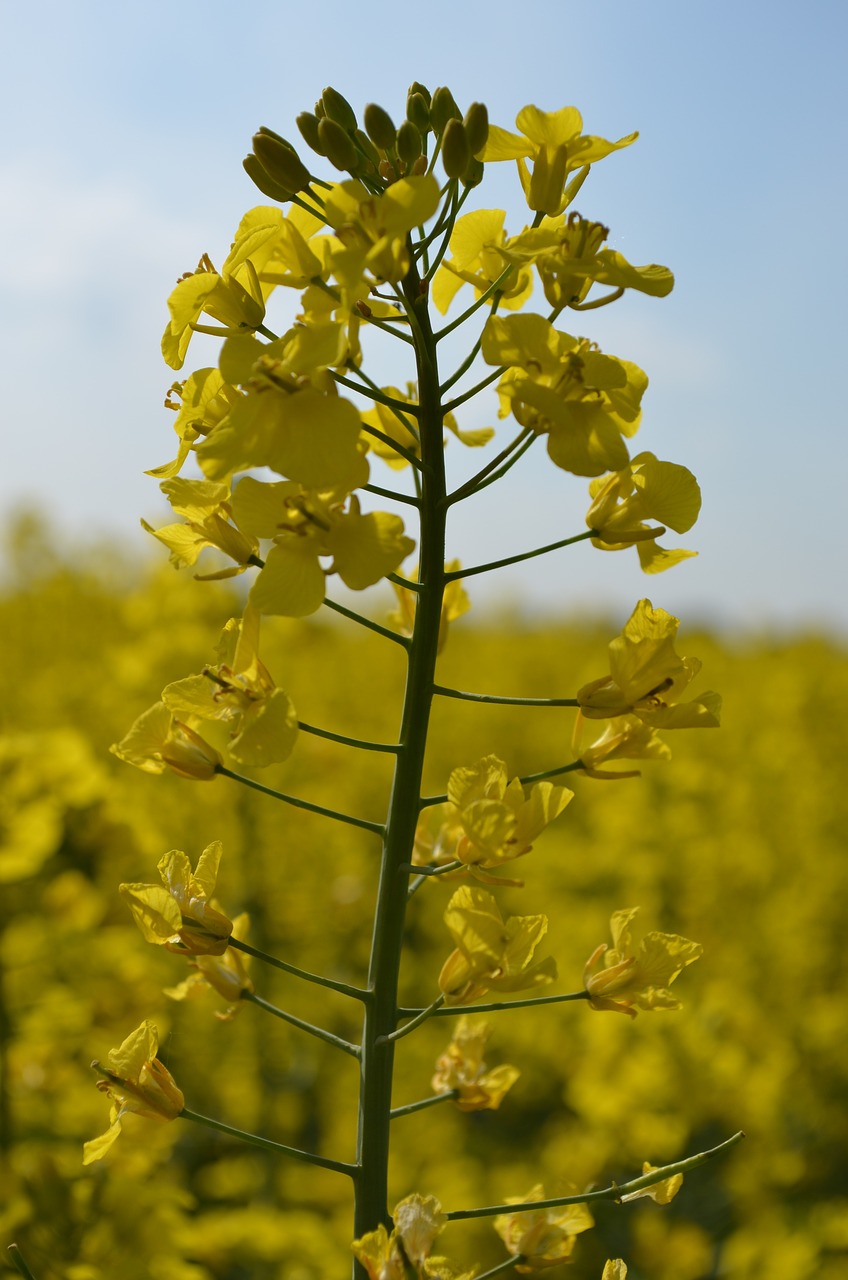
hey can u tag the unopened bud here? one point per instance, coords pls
(443, 108)
(408, 143)
(476, 123)
(337, 145)
(473, 175)
(418, 112)
(338, 109)
(368, 147)
(455, 150)
(421, 89)
(379, 127)
(280, 161)
(265, 183)
(307, 123)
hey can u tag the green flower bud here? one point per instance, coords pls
(265, 183)
(338, 146)
(476, 127)
(442, 109)
(368, 147)
(319, 109)
(280, 161)
(455, 150)
(307, 123)
(473, 175)
(379, 127)
(418, 112)
(338, 109)
(419, 88)
(408, 143)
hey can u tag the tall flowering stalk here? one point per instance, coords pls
(389, 246)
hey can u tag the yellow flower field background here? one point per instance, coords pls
(738, 842)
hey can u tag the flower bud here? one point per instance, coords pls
(443, 108)
(368, 147)
(337, 145)
(476, 123)
(418, 112)
(379, 127)
(419, 88)
(473, 175)
(265, 183)
(455, 150)
(338, 109)
(408, 143)
(307, 123)
(280, 161)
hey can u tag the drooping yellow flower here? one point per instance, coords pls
(646, 489)
(461, 1068)
(661, 1192)
(158, 741)
(490, 954)
(631, 980)
(239, 691)
(208, 523)
(200, 402)
(543, 1238)
(624, 738)
(563, 387)
(455, 603)
(647, 677)
(556, 144)
(418, 1220)
(225, 973)
(180, 915)
(476, 259)
(136, 1081)
(234, 299)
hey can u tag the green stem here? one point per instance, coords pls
(508, 465)
(508, 702)
(396, 1112)
(572, 767)
(513, 451)
(361, 743)
(523, 555)
(344, 988)
(20, 1263)
(495, 287)
(366, 622)
(455, 1010)
(422, 1016)
(615, 1192)
(376, 827)
(306, 1157)
(502, 1267)
(379, 397)
(327, 1036)
(409, 498)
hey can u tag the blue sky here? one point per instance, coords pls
(124, 127)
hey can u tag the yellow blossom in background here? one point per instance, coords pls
(614, 1269)
(542, 1238)
(455, 603)
(661, 1192)
(158, 741)
(178, 913)
(491, 954)
(631, 980)
(556, 144)
(136, 1081)
(646, 489)
(225, 973)
(461, 1068)
(240, 692)
(647, 677)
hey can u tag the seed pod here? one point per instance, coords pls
(379, 127)
(307, 123)
(338, 109)
(338, 146)
(476, 123)
(280, 161)
(455, 150)
(442, 109)
(408, 143)
(265, 183)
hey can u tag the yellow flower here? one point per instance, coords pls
(455, 603)
(615, 1269)
(208, 523)
(136, 1081)
(490, 954)
(372, 230)
(180, 915)
(646, 489)
(637, 978)
(461, 1068)
(158, 741)
(226, 974)
(647, 677)
(564, 387)
(418, 1220)
(624, 738)
(661, 1192)
(554, 141)
(233, 298)
(476, 243)
(542, 1237)
(240, 692)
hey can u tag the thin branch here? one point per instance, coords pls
(615, 1192)
(361, 743)
(327, 1036)
(427, 872)
(502, 1267)
(454, 1010)
(306, 1157)
(508, 702)
(523, 555)
(406, 583)
(366, 622)
(599, 302)
(495, 287)
(470, 486)
(409, 498)
(403, 406)
(425, 1102)
(357, 993)
(375, 827)
(421, 1016)
(519, 453)
(481, 386)
(20, 1262)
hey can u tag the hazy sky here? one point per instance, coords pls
(124, 127)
